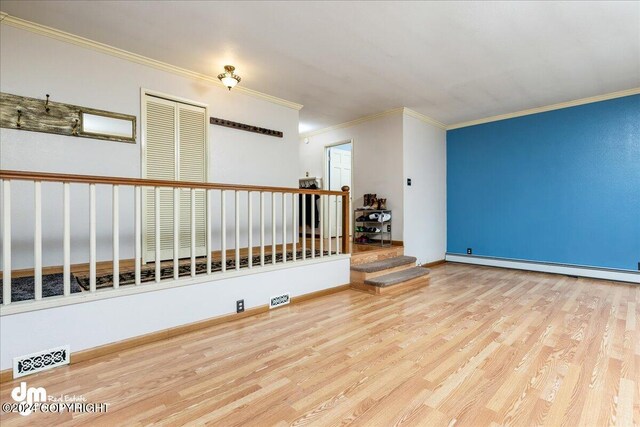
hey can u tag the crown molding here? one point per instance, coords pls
(422, 117)
(582, 101)
(352, 122)
(400, 110)
(133, 57)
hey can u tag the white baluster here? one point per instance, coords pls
(284, 227)
(66, 239)
(138, 232)
(337, 226)
(313, 225)
(262, 228)
(329, 221)
(37, 240)
(157, 234)
(223, 232)
(273, 228)
(116, 238)
(321, 225)
(237, 230)
(193, 232)
(208, 227)
(294, 228)
(250, 229)
(92, 238)
(176, 233)
(304, 226)
(6, 242)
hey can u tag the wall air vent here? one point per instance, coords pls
(279, 300)
(40, 361)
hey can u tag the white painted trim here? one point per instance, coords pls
(422, 117)
(429, 120)
(569, 270)
(353, 122)
(400, 110)
(83, 297)
(325, 179)
(133, 57)
(325, 183)
(552, 107)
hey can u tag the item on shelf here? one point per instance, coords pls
(370, 201)
(374, 217)
(373, 203)
(363, 240)
(380, 217)
(372, 226)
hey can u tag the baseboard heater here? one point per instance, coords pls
(548, 267)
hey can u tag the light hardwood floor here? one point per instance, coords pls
(478, 346)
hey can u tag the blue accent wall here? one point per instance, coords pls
(561, 186)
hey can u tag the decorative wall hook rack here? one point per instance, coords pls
(245, 127)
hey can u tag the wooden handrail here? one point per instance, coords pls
(95, 179)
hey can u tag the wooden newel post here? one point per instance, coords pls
(346, 227)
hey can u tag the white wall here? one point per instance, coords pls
(386, 151)
(34, 65)
(92, 324)
(377, 161)
(425, 201)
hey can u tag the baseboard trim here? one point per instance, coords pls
(433, 263)
(320, 293)
(547, 267)
(103, 350)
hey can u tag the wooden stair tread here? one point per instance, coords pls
(384, 264)
(397, 277)
(372, 254)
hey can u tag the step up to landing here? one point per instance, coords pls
(380, 267)
(372, 253)
(380, 276)
(397, 277)
(384, 264)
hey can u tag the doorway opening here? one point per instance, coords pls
(338, 172)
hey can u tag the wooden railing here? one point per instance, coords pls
(341, 221)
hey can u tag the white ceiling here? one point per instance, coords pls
(451, 61)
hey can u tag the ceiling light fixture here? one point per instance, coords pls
(228, 78)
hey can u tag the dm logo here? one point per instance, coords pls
(29, 396)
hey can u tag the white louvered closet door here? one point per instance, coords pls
(175, 150)
(192, 166)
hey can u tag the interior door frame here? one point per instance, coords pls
(327, 171)
(143, 147)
